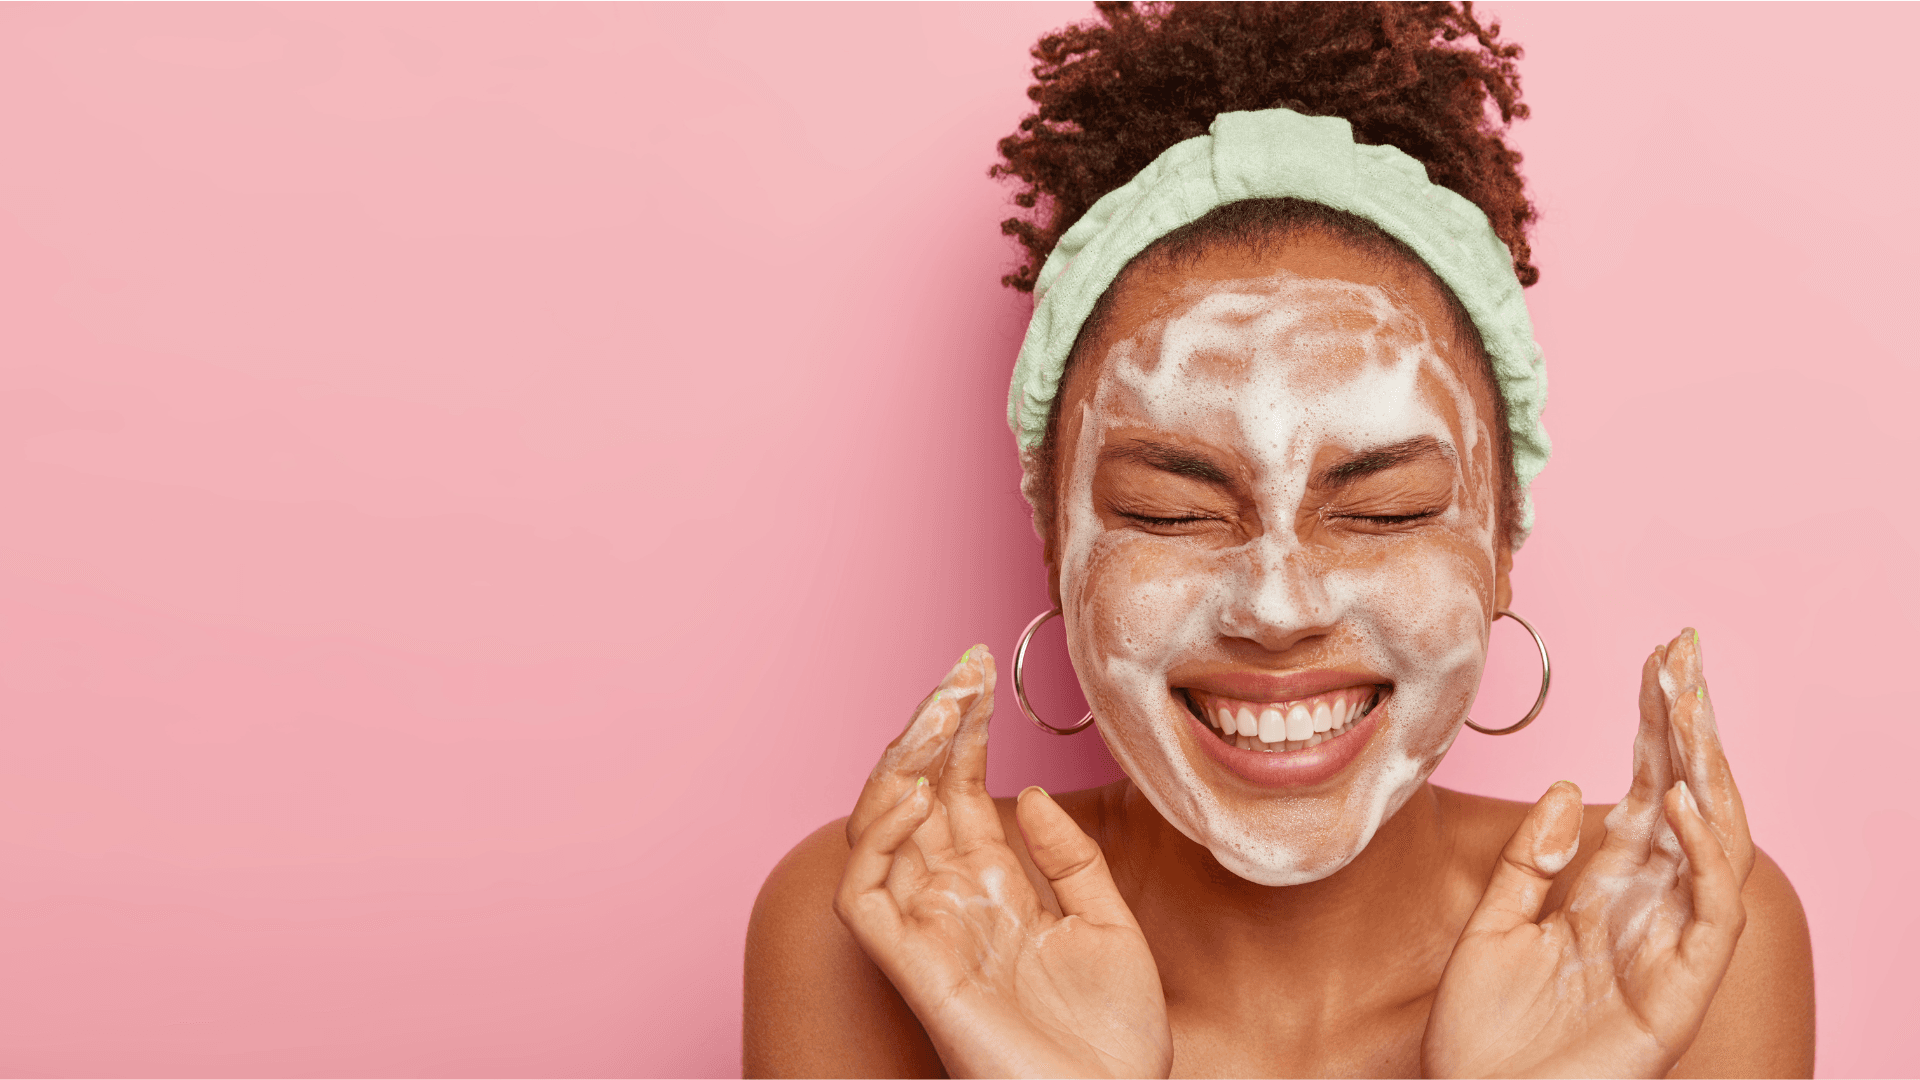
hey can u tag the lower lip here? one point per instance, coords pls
(1287, 768)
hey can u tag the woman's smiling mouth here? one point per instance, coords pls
(1298, 740)
(1281, 726)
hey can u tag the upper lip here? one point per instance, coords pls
(1248, 685)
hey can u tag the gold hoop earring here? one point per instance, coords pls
(1020, 689)
(1546, 681)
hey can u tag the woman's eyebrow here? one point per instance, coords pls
(1167, 458)
(1368, 462)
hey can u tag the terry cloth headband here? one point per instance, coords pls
(1275, 154)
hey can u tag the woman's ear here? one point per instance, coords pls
(1502, 579)
(1050, 552)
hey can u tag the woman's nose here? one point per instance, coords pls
(1275, 596)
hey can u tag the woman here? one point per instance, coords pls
(1278, 410)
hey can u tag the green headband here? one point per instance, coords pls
(1275, 154)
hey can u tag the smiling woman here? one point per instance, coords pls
(1330, 520)
(1279, 408)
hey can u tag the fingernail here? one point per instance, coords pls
(968, 655)
(1687, 794)
(1031, 787)
(1700, 693)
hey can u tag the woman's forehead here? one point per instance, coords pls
(1280, 324)
(1264, 358)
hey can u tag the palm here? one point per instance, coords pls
(1570, 996)
(1004, 985)
(1076, 992)
(1617, 981)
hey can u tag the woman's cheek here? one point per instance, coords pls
(1425, 613)
(1141, 603)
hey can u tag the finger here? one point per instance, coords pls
(1543, 845)
(1701, 757)
(1633, 825)
(970, 688)
(863, 901)
(1652, 757)
(962, 785)
(913, 754)
(1071, 861)
(917, 751)
(1719, 915)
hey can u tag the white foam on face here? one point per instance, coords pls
(1271, 371)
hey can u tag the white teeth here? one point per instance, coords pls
(1297, 727)
(1299, 724)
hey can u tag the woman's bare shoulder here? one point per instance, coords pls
(814, 1004)
(1761, 1021)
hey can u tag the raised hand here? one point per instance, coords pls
(1617, 981)
(1003, 985)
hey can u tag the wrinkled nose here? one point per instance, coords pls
(1275, 596)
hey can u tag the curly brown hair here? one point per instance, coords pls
(1114, 92)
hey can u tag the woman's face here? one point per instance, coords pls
(1277, 515)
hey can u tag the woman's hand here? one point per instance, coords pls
(1617, 981)
(1003, 985)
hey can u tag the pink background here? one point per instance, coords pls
(481, 483)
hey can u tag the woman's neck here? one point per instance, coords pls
(1373, 934)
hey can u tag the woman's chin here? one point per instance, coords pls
(1300, 869)
(1278, 817)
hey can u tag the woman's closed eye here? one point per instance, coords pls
(1168, 522)
(1165, 491)
(1402, 496)
(1388, 507)
(1391, 521)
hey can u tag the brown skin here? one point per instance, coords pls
(817, 1006)
(1336, 976)
(1153, 288)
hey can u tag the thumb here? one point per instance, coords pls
(1543, 845)
(1070, 860)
